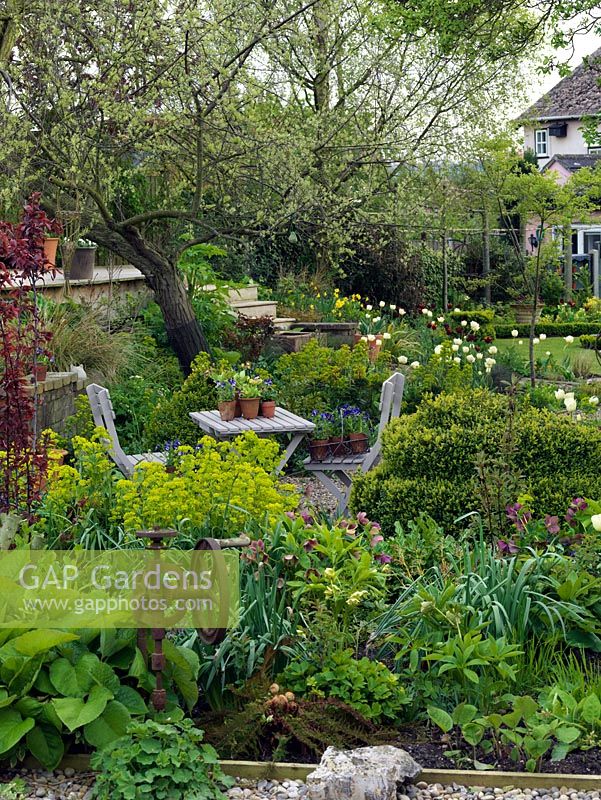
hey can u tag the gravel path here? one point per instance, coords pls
(69, 785)
(314, 494)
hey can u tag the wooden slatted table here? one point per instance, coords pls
(283, 422)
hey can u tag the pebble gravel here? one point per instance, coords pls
(68, 785)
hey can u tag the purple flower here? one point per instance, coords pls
(383, 558)
(376, 540)
(309, 544)
(290, 514)
(307, 518)
(552, 524)
(362, 518)
(507, 547)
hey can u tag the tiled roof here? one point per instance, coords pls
(577, 95)
(576, 162)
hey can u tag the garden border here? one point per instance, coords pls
(289, 771)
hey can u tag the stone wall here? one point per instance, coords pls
(56, 399)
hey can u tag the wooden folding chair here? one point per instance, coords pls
(342, 467)
(104, 417)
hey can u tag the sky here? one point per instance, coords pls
(584, 45)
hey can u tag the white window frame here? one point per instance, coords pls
(541, 145)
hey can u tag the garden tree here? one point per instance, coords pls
(543, 198)
(237, 119)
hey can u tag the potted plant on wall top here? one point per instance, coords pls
(268, 399)
(250, 396)
(84, 260)
(226, 396)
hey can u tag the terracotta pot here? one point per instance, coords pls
(357, 337)
(83, 263)
(227, 410)
(238, 409)
(338, 446)
(358, 442)
(375, 348)
(50, 248)
(39, 372)
(319, 449)
(58, 456)
(250, 407)
(267, 409)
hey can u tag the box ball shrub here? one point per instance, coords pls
(170, 420)
(428, 459)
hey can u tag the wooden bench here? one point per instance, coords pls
(343, 467)
(104, 417)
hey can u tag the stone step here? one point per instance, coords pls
(250, 292)
(283, 323)
(255, 308)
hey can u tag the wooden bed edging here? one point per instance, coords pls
(281, 771)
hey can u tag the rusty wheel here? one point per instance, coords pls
(213, 636)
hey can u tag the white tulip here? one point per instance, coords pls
(568, 339)
(457, 360)
(559, 394)
(520, 342)
(457, 341)
(386, 335)
(475, 326)
(440, 319)
(570, 395)
(465, 349)
(594, 400)
(493, 350)
(424, 311)
(402, 359)
(536, 340)
(392, 307)
(463, 323)
(596, 522)
(402, 312)
(455, 348)
(369, 308)
(430, 313)
(570, 404)
(377, 319)
(470, 359)
(542, 337)
(489, 362)
(438, 349)
(415, 364)
(479, 356)
(547, 352)
(382, 304)
(364, 338)
(457, 310)
(371, 337)
(515, 333)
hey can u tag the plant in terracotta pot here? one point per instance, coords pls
(356, 428)
(226, 387)
(249, 389)
(319, 446)
(172, 455)
(50, 249)
(268, 398)
(43, 360)
(338, 446)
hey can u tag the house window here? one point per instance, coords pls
(541, 142)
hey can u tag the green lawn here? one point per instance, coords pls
(583, 360)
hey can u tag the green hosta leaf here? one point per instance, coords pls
(39, 641)
(464, 713)
(472, 733)
(29, 707)
(46, 744)
(12, 728)
(440, 718)
(74, 712)
(526, 706)
(110, 725)
(6, 699)
(590, 709)
(21, 672)
(567, 734)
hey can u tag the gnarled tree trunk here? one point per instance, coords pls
(183, 329)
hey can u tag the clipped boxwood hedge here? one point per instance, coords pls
(503, 330)
(589, 342)
(428, 459)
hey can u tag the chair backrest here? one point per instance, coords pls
(391, 398)
(104, 417)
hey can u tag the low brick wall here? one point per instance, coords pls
(56, 399)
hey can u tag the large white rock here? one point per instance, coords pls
(367, 773)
